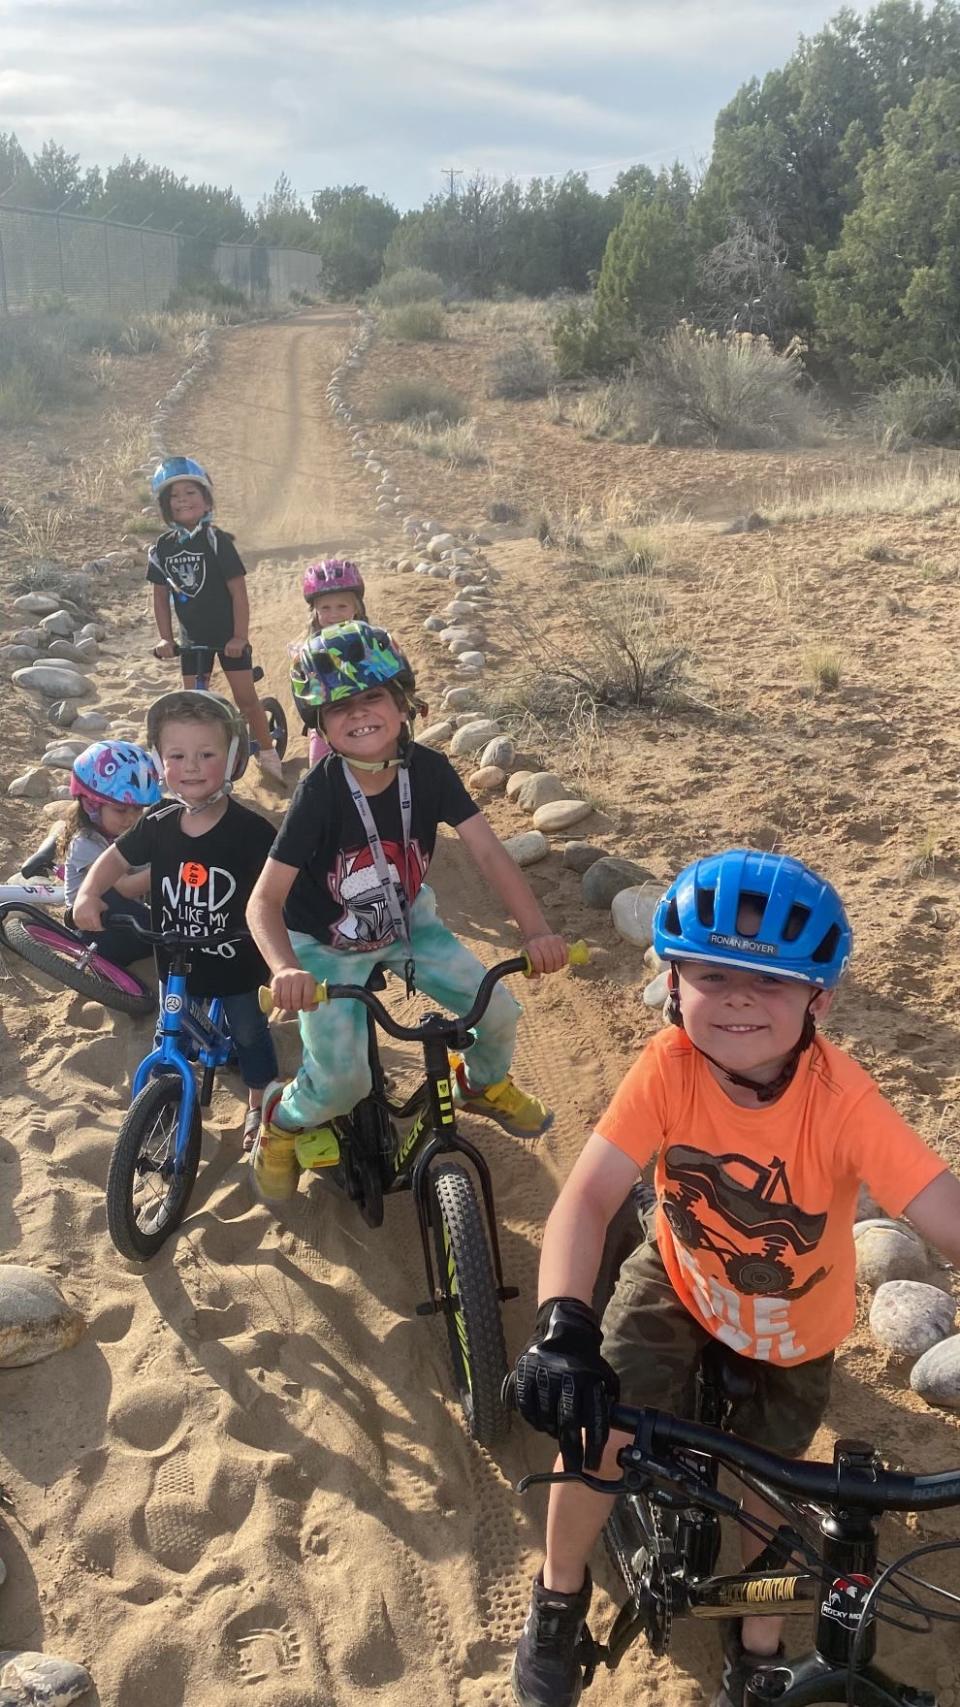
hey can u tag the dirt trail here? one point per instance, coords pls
(249, 1476)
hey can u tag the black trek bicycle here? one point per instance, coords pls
(664, 1539)
(388, 1147)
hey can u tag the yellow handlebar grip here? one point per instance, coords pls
(578, 954)
(267, 1003)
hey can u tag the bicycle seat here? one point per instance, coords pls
(258, 672)
(377, 979)
(733, 1375)
(43, 859)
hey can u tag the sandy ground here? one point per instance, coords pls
(249, 1475)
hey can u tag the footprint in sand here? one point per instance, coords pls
(264, 1649)
(178, 1530)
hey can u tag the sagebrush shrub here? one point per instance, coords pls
(521, 370)
(415, 322)
(409, 284)
(920, 408)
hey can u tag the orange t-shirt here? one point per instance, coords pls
(756, 1206)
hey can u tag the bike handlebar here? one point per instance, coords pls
(578, 954)
(842, 1484)
(170, 939)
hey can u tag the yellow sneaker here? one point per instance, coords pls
(317, 1149)
(521, 1115)
(273, 1164)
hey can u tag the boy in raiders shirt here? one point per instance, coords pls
(200, 567)
(205, 852)
(344, 888)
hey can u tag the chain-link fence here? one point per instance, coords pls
(51, 258)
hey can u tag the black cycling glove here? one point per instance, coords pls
(563, 1386)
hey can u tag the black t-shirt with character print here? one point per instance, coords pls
(200, 886)
(336, 897)
(197, 572)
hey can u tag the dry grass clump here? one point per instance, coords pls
(921, 408)
(453, 442)
(823, 666)
(415, 322)
(922, 859)
(419, 399)
(915, 486)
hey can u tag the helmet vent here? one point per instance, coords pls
(826, 950)
(705, 909)
(797, 921)
(671, 923)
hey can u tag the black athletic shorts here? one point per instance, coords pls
(198, 660)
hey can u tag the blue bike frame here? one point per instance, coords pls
(207, 1042)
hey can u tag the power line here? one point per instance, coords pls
(453, 173)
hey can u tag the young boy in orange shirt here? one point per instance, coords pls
(761, 1133)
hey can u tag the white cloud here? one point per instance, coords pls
(383, 92)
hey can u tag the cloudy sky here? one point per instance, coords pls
(385, 92)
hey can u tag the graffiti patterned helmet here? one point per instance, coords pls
(803, 930)
(172, 469)
(114, 773)
(184, 703)
(340, 662)
(331, 575)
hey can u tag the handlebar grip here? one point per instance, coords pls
(267, 1004)
(578, 954)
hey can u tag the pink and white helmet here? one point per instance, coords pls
(332, 575)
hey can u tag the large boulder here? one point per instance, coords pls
(13, 653)
(459, 699)
(473, 661)
(500, 751)
(516, 783)
(888, 1251)
(908, 1317)
(29, 1679)
(36, 604)
(527, 848)
(632, 913)
(486, 780)
(657, 991)
(936, 1375)
(560, 815)
(67, 649)
(580, 856)
(474, 736)
(435, 734)
(59, 622)
(32, 784)
(54, 681)
(539, 789)
(440, 543)
(35, 1318)
(606, 877)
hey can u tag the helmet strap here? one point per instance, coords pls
(201, 805)
(772, 1088)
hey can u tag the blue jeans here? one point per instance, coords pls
(117, 945)
(335, 1073)
(256, 1055)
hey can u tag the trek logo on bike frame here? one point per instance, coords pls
(409, 1143)
(844, 1601)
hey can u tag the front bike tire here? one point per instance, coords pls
(276, 723)
(474, 1327)
(55, 949)
(146, 1198)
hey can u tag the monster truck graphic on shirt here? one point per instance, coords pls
(365, 922)
(722, 1203)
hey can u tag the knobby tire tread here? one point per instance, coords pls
(16, 934)
(455, 1200)
(130, 1240)
(277, 718)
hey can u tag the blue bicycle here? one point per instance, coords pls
(157, 1150)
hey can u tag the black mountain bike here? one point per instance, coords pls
(388, 1147)
(664, 1539)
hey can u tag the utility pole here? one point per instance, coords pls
(453, 173)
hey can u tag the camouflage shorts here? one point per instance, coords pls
(654, 1344)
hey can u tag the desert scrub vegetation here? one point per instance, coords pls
(522, 370)
(904, 486)
(823, 667)
(699, 388)
(454, 442)
(409, 284)
(415, 323)
(630, 656)
(918, 409)
(419, 399)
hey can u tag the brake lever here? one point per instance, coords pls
(595, 1483)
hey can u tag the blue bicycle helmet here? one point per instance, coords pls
(114, 773)
(175, 468)
(803, 931)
